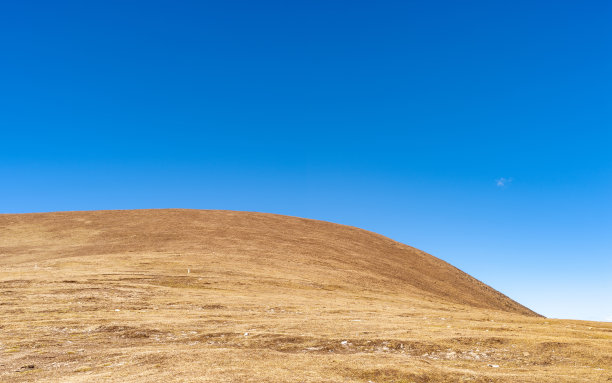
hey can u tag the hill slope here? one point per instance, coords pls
(217, 296)
(263, 246)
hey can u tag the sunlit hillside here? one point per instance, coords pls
(221, 296)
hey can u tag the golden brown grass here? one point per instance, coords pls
(190, 296)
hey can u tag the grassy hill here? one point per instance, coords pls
(189, 295)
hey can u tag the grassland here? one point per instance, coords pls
(210, 296)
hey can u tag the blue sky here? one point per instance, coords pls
(478, 131)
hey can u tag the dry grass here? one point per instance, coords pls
(106, 296)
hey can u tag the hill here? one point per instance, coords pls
(190, 295)
(264, 248)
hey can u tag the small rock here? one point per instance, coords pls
(494, 365)
(344, 342)
(246, 334)
(117, 310)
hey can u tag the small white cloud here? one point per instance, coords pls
(503, 182)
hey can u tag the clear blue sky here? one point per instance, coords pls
(478, 131)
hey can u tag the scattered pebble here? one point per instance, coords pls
(494, 365)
